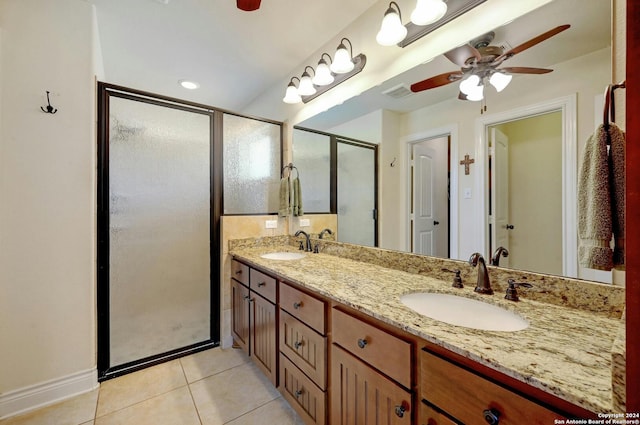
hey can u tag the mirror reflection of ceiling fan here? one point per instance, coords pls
(248, 5)
(480, 62)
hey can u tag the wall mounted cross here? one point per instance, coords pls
(466, 162)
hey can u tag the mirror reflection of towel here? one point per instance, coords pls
(601, 202)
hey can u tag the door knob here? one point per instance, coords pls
(509, 226)
(435, 223)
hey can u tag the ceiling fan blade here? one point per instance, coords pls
(436, 81)
(248, 5)
(524, 46)
(525, 70)
(460, 54)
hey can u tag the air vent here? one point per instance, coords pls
(399, 91)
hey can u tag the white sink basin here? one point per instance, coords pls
(466, 312)
(285, 256)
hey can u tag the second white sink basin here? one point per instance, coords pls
(283, 256)
(466, 312)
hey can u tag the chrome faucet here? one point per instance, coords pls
(500, 251)
(308, 244)
(483, 285)
(325, 231)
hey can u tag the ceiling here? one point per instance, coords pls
(234, 55)
(590, 31)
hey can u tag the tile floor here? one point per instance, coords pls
(213, 387)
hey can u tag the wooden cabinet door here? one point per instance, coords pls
(240, 314)
(362, 396)
(264, 344)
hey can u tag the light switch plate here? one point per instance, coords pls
(304, 222)
(271, 224)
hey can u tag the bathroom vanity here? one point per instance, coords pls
(348, 351)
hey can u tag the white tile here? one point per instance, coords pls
(232, 393)
(210, 362)
(73, 411)
(277, 412)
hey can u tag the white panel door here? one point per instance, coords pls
(500, 193)
(430, 197)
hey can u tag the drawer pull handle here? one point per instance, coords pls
(298, 344)
(297, 305)
(299, 392)
(238, 271)
(400, 410)
(362, 342)
(262, 283)
(491, 416)
(246, 297)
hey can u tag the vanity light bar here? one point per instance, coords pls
(455, 8)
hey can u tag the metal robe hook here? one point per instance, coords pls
(50, 109)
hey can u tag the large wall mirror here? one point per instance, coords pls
(565, 103)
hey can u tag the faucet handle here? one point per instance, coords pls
(457, 280)
(512, 293)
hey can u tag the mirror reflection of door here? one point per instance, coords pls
(356, 193)
(499, 190)
(532, 168)
(430, 194)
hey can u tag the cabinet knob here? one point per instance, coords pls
(246, 297)
(238, 271)
(299, 392)
(297, 305)
(400, 410)
(491, 416)
(298, 344)
(262, 283)
(362, 342)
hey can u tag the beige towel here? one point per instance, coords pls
(617, 183)
(600, 199)
(297, 198)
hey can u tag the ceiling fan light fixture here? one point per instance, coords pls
(428, 11)
(342, 60)
(292, 95)
(476, 94)
(469, 84)
(323, 76)
(391, 30)
(500, 80)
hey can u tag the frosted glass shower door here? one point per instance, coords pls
(159, 188)
(356, 180)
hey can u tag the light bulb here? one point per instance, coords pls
(291, 95)
(428, 11)
(476, 94)
(391, 31)
(468, 84)
(500, 80)
(323, 75)
(342, 62)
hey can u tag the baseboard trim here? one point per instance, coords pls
(46, 393)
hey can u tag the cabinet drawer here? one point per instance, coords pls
(430, 416)
(303, 306)
(303, 395)
(304, 347)
(466, 396)
(387, 353)
(263, 284)
(240, 272)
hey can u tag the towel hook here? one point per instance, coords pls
(50, 109)
(609, 113)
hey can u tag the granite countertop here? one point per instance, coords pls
(564, 351)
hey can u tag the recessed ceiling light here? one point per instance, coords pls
(191, 85)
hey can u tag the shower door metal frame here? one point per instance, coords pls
(105, 90)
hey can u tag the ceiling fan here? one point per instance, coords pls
(248, 5)
(480, 61)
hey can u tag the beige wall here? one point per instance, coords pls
(47, 207)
